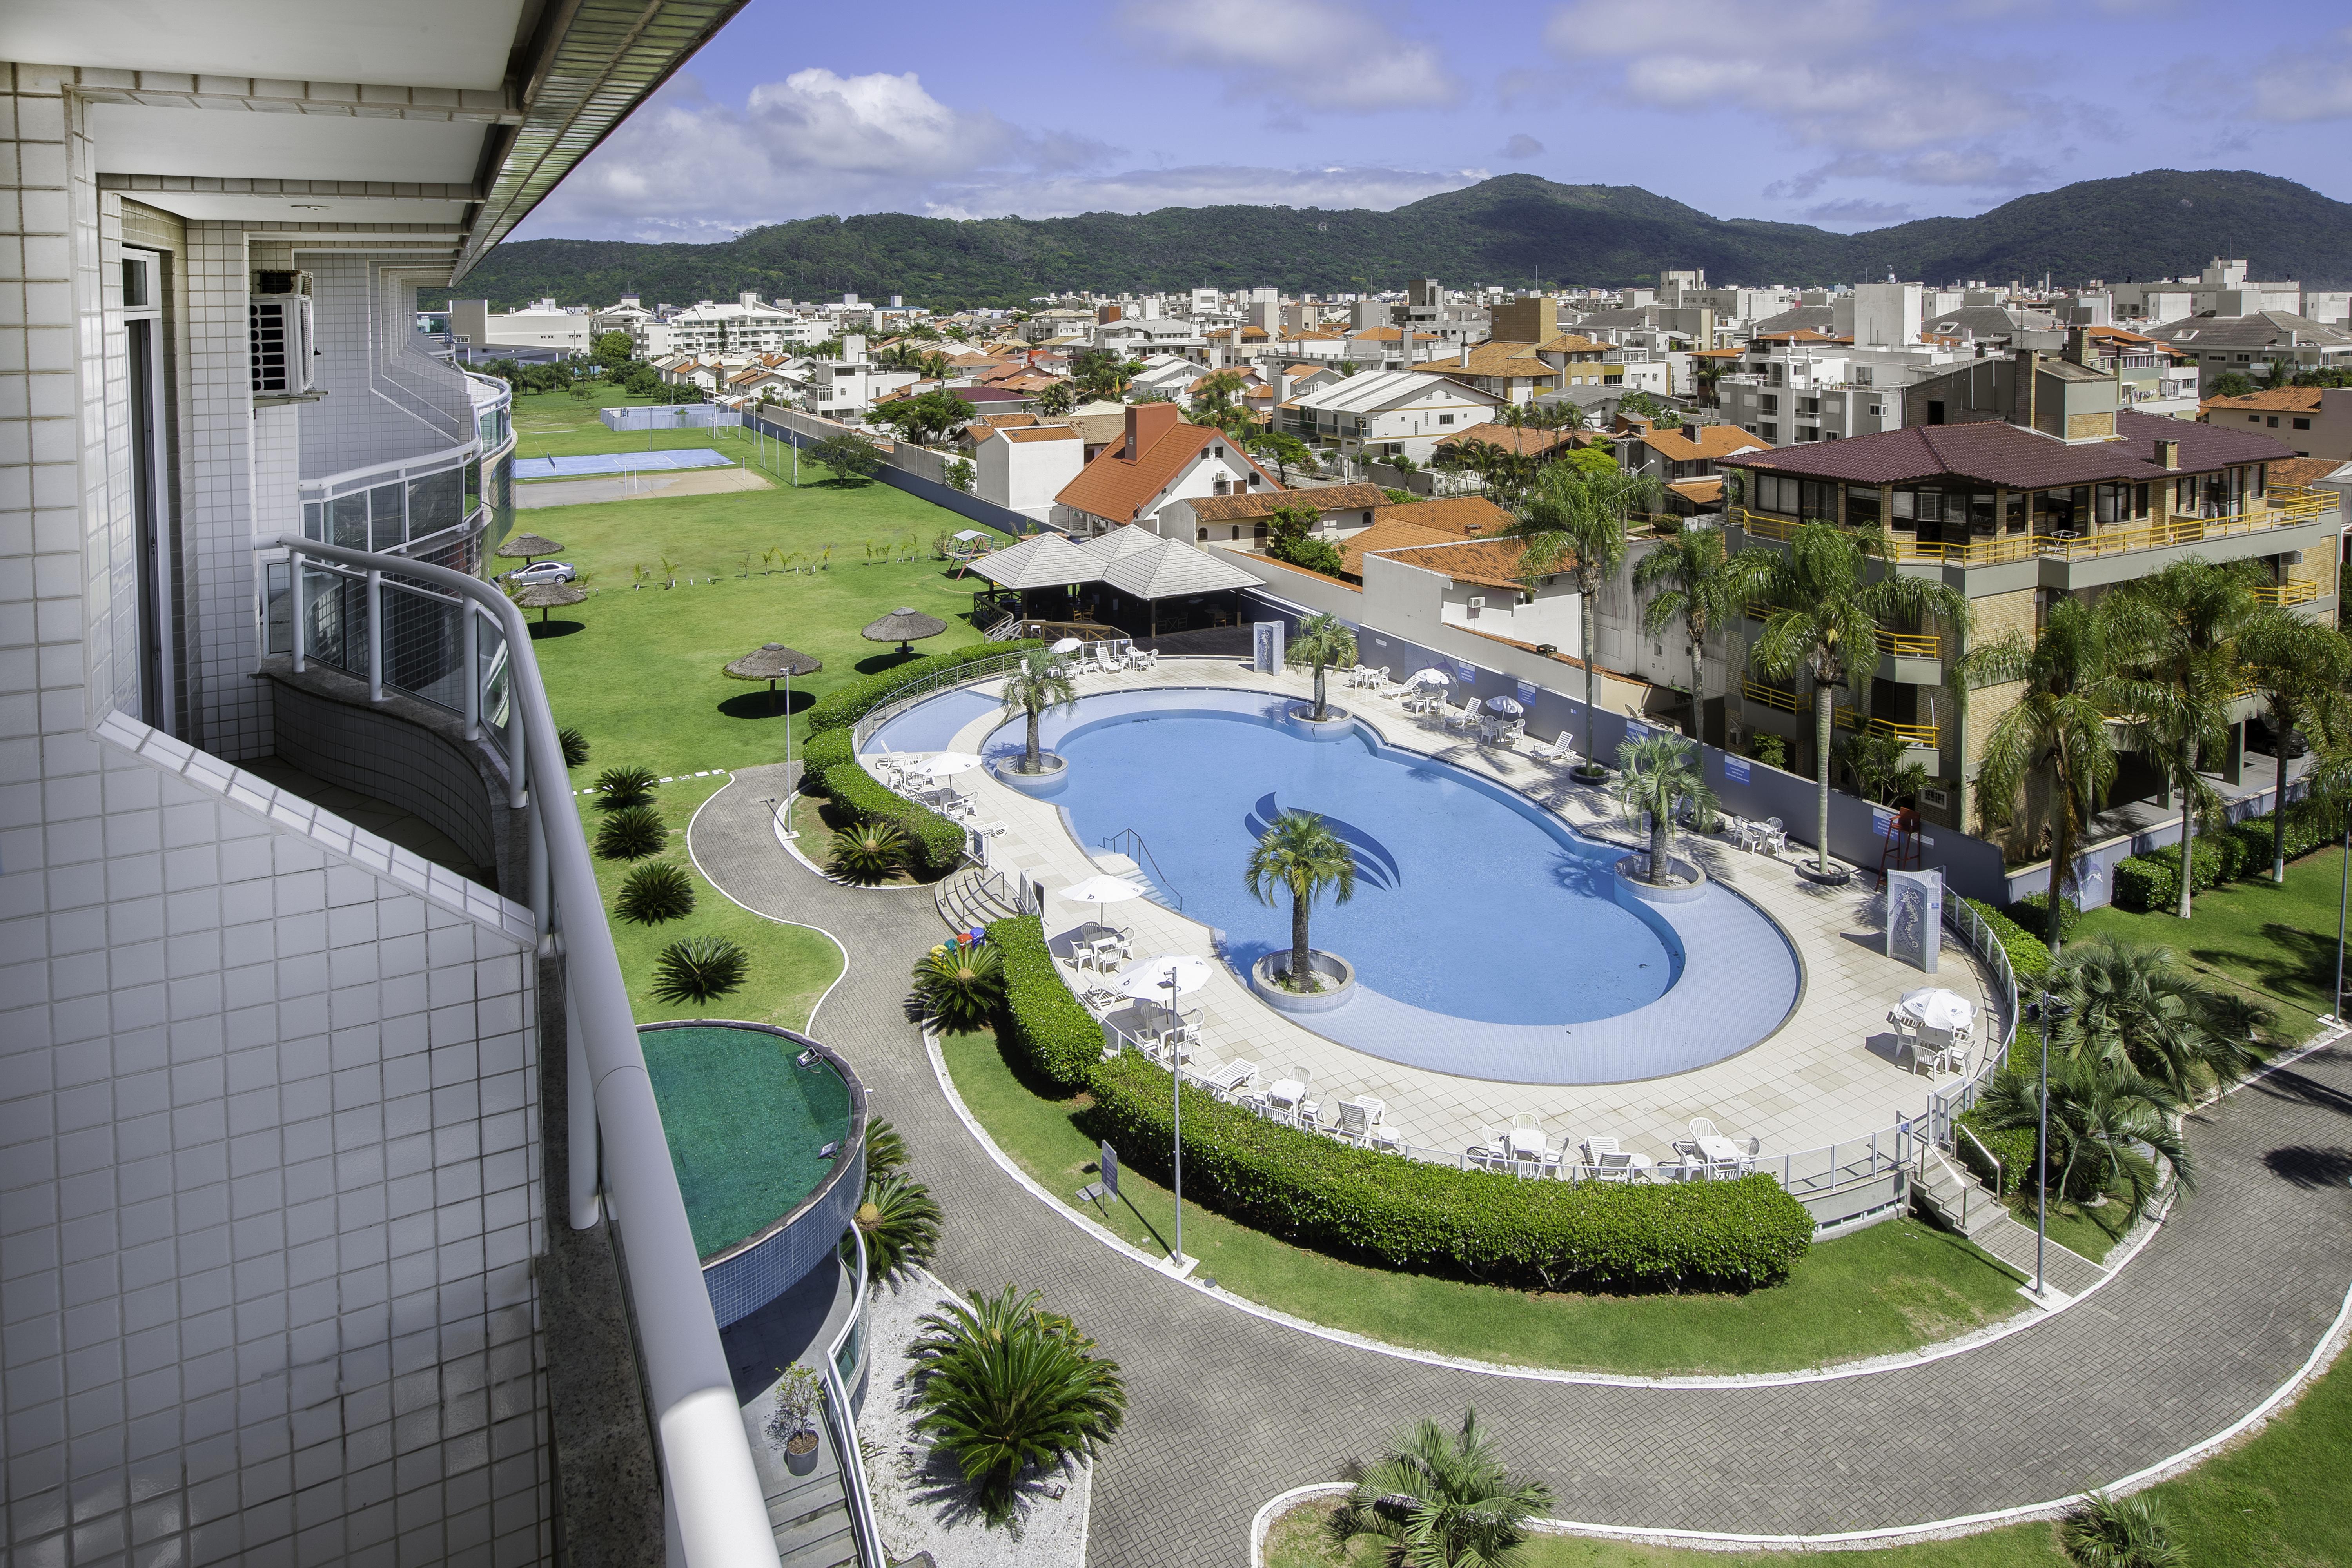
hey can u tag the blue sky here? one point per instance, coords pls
(1847, 113)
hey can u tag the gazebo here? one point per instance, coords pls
(772, 662)
(1140, 566)
(529, 547)
(1043, 561)
(904, 625)
(546, 596)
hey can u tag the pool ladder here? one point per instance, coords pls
(1127, 841)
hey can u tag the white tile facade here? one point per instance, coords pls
(268, 1151)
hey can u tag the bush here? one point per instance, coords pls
(852, 459)
(632, 833)
(2012, 1146)
(1412, 1215)
(853, 699)
(2029, 956)
(2152, 881)
(960, 985)
(900, 1221)
(620, 787)
(2031, 913)
(574, 744)
(1768, 749)
(868, 853)
(1040, 1020)
(655, 893)
(699, 969)
(826, 749)
(936, 844)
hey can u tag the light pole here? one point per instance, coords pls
(1176, 1094)
(2047, 1016)
(2342, 897)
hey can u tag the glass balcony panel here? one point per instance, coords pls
(350, 517)
(388, 516)
(424, 646)
(314, 521)
(436, 501)
(278, 607)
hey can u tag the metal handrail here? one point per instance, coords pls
(2279, 507)
(841, 1415)
(709, 1482)
(1142, 854)
(1989, 1154)
(901, 698)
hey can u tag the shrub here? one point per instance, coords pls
(885, 1151)
(2152, 881)
(853, 699)
(960, 986)
(2029, 956)
(655, 893)
(699, 969)
(826, 749)
(935, 843)
(1412, 1215)
(868, 853)
(900, 1222)
(1768, 749)
(2012, 1146)
(632, 833)
(617, 788)
(574, 744)
(2031, 913)
(2119, 1532)
(1040, 1019)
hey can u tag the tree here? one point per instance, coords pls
(2100, 1118)
(1638, 405)
(1285, 449)
(1300, 853)
(962, 476)
(2298, 668)
(851, 456)
(1703, 588)
(1214, 396)
(1878, 767)
(2057, 727)
(1035, 686)
(1058, 399)
(1290, 522)
(2230, 383)
(1443, 1499)
(900, 1222)
(928, 416)
(1322, 641)
(1575, 522)
(1100, 372)
(1823, 615)
(2137, 1011)
(1006, 1387)
(613, 350)
(1659, 772)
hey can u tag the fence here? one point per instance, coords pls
(902, 698)
(806, 430)
(668, 416)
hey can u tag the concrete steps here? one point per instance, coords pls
(810, 1516)
(1959, 1202)
(964, 901)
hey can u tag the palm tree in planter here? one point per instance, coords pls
(1573, 520)
(2101, 1117)
(1700, 586)
(1657, 773)
(1035, 686)
(1823, 615)
(1323, 641)
(2134, 1010)
(1442, 1499)
(1300, 853)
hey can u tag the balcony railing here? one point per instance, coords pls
(2296, 593)
(1769, 696)
(1911, 734)
(471, 652)
(2282, 506)
(1899, 645)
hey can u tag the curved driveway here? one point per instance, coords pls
(1227, 1409)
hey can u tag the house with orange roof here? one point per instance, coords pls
(1024, 468)
(1514, 372)
(1473, 585)
(1160, 460)
(2316, 421)
(1239, 519)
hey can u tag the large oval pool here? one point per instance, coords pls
(1488, 937)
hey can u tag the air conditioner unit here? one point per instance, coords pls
(1933, 796)
(2292, 558)
(1477, 604)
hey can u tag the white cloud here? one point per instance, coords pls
(1309, 54)
(1522, 145)
(2302, 85)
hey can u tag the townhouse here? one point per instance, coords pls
(1385, 414)
(1158, 459)
(2316, 421)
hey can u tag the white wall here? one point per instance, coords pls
(1025, 476)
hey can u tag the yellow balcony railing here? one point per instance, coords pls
(1917, 734)
(2296, 593)
(1899, 645)
(2281, 506)
(1769, 696)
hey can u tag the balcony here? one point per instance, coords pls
(2297, 593)
(1891, 644)
(1929, 736)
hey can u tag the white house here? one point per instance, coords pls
(1239, 519)
(1024, 467)
(747, 326)
(1380, 414)
(1158, 459)
(1473, 585)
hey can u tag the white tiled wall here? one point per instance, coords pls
(268, 1151)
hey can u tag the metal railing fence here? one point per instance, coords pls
(841, 1360)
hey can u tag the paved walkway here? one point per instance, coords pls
(1228, 1409)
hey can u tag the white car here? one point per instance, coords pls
(544, 572)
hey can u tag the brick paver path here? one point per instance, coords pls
(1228, 1409)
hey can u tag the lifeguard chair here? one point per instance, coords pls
(1901, 850)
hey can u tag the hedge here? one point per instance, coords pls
(1410, 1213)
(2012, 1146)
(2031, 912)
(1040, 1019)
(829, 767)
(2029, 956)
(2152, 881)
(847, 703)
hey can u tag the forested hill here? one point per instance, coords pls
(2160, 223)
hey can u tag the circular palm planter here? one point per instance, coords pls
(1053, 774)
(1689, 883)
(1589, 773)
(1835, 877)
(1337, 975)
(1335, 724)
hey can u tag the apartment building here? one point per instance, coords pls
(312, 1146)
(746, 325)
(1382, 413)
(2252, 344)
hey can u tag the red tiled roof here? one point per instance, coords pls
(1115, 487)
(1262, 503)
(1491, 562)
(1526, 441)
(1387, 536)
(1461, 516)
(2000, 454)
(2277, 400)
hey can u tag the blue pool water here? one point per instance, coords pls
(931, 726)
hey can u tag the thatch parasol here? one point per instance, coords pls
(546, 596)
(530, 546)
(904, 625)
(772, 662)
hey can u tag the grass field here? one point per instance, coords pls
(558, 425)
(1886, 1289)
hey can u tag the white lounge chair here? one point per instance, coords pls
(1102, 661)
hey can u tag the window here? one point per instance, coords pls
(1935, 411)
(2274, 422)
(1861, 375)
(1445, 419)
(2302, 425)
(2256, 419)
(1862, 505)
(1770, 431)
(1771, 403)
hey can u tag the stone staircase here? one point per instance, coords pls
(1959, 1202)
(964, 900)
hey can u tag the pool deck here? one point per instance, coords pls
(1831, 1071)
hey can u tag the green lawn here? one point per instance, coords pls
(1886, 1289)
(558, 425)
(790, 965)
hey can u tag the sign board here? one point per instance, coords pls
(1914, 918)
(1735, 770)
(1636, 731)
(1265, 647)
(1466, 671)
(1882, 822)
(1526, 692)
(1109, 1169)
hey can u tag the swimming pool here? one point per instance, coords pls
(1489, 938)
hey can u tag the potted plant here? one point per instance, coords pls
(793, 1425)
(1323, 641)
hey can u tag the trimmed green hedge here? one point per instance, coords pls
(847, 703)
(1041, 1020)
(2012, 1146)
(2031, 913)
(2152, 881)
(2029, 956)
(1413, 1215)
(829, 768)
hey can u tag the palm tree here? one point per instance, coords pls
(1704, 589)
(2100, 1118)
(1035, 686)
(1300, 854)
(1058, 399)
(2057, 727)
(1577, 517)
(2135, 1010)
(1323, 641)
(2180, 629)
(2298, 668)
(1213, 397)
(899, 1221)
(1443, 1499)
(1659, 772)
(2120, 1532)
(1824, 616)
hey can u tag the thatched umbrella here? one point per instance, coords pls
(546, 596)
(772, 662)
(529, 547)
(904, 625)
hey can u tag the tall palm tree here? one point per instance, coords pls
(2298, 668)
(1660, 772)
(1299, 854)
(2056, 728)
(1323, 641)
(1035, 686)
(1058, 399)
(1213, 398)
(1704, 589)
(1823, 618)
(2137, 1011)
(1574, 519)
(2181, 628)
(1443, 1499)
(2100, 1118)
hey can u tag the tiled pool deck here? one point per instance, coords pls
(1830, 1073)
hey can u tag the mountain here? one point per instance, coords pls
(2160, 222)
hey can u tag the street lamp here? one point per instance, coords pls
(2047, 1015)
(1176, 1095)
(2343, 902)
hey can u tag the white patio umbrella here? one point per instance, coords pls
(1938, 1009)
(947, 764)
(1432, 676)
(1067, 645)
(1504, 705)
(1102, 890)
(1146, 979)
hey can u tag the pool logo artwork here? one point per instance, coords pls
(1374, 864)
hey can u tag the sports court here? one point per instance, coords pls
(619, 463)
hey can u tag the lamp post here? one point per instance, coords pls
(2342, 900)
(1176, 1095)
(2046, 1017)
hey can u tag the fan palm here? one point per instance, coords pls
(899, 1221)
(960, 985)
(1035, 686)
(1323, 641)
(1058, 399)
(2298, 668)
(2119, 1532)
(1700, 586)
(1660, 772)
(1575, 518)
(1823, 615)
(1443, 1499)
(2057, 727)
(2101, 1117)
(1300, 854)
(885, 1151)
(2134, 1008)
